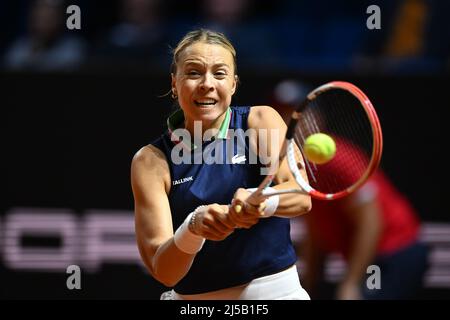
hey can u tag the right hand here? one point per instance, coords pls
(242, 213)
(212, 223)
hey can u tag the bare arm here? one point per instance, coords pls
(150, 180)
(268, 144)
(366, 221)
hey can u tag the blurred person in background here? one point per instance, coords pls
(243, 21)
(376, 225)
(413, 38)
(47, 46)
(139, 37)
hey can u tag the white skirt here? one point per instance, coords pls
(284, 285)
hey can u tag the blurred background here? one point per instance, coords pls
(77, 105)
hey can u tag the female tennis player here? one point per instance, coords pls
(189, 237)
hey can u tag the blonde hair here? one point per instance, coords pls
(206, 36)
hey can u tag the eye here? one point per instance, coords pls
(192, 73)
(220, 74)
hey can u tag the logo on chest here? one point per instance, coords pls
(238, 159)
(182, 180)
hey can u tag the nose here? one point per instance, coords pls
(207, 83)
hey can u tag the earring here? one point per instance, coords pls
(174, 95)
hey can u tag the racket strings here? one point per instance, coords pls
(356, 124)
(339, 114)
(299, 141)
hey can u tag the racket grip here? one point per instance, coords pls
(291, 129)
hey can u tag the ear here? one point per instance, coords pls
(174, 82)
(235, 82)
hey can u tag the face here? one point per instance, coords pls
(204, 82)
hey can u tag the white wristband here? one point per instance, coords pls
(185, 240)
(271, 202)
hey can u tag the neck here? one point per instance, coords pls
(205, 125)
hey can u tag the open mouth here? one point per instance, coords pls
(205, 102)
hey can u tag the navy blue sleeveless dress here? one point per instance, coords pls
(246, 254)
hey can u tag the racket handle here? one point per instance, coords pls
(258, 196)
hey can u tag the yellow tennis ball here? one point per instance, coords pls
(319, 148)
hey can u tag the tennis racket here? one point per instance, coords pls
(344, 113)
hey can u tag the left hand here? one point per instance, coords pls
(212, 222)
